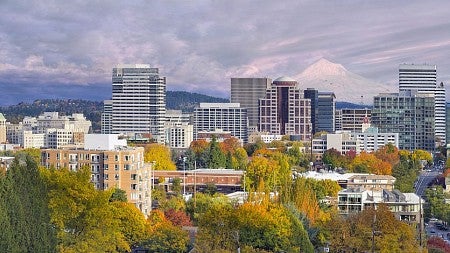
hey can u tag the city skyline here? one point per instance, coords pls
(67, 50)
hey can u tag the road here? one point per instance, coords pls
(424, 179)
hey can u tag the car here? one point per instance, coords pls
(432, 232)
(433, 219)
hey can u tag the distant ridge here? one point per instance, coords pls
(175, 100)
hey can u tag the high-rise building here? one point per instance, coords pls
(139, 101)
(323, 105)
(422, 78)
(285, 111)
(226, 116)
(408, 113)
(106, 123)
(351, 119)
(448, 123)
(247, 92)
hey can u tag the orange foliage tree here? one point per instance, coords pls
(388, 153)
(369, 163)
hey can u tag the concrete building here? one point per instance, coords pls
(49, 130)
(354, 180)
(285, 111)
(138, 101)
(247, 92)
(178, 130)
(422, 77)
(447, 119)
(112, 165)
(2, 128)
(264, 137)
(341, 141)
(344, 141)
(408, 113)
(351, 119)
(106, 121)
(323, 106)
(226, 116)
(405, 206)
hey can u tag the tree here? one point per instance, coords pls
(333, 157)
(355, 233)
(118, 195)
(178, 217)
(230, 145)
(241, 159)
(371, 163)
(217, 158)
(82, 216)
(159, 154)
(261, 170)
(388, 153)
(163, 236)
(132, 223)
(24, 206)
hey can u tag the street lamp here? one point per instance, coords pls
(153, 174)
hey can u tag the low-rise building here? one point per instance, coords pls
(112, 164)
(405, 206)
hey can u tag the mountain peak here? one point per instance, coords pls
(324, 67)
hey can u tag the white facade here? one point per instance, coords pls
(226, 116)
(49, 130)
(139, 101)
(30, 140)
(179, 135)
(103, 142)
(344, 141)
(422, 77)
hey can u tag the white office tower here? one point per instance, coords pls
(225, 116)
(106, 127)
(139, 101)
(422, 78)
(247, 92)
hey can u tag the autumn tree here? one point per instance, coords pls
(82, 216)
(163, 236)
(159, 154)
(369, 163)
(354, 234)
(388, 153)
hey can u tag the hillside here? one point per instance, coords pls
(176, 100)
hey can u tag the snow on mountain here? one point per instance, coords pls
(324, 75)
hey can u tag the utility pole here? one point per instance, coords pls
(184, 177)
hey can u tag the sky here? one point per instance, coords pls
(67, 49)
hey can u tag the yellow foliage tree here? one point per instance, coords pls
(159, 154)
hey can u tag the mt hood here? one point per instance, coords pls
(324, 76)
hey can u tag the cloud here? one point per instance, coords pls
(199, 45)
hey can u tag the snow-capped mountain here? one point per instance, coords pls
(324, 75)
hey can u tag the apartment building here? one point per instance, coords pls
(112, 165)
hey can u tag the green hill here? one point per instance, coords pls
(92, 110)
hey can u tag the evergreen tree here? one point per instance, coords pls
(27, 208)
(216, 159)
